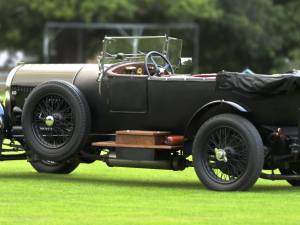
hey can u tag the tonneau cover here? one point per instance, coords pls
(257, 83)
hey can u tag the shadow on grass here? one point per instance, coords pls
(23, 176)
(273, 187)
(119, 182)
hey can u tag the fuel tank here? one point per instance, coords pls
(34, 74)
(23, 78)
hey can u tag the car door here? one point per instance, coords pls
(127, 93)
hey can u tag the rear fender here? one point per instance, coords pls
(211, 109)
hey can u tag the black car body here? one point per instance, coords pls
(134, 87)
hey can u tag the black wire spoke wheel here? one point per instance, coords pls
(56, 121)
(226, 158)
(228, 153)
(53, 121)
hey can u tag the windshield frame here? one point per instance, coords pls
(105, 56)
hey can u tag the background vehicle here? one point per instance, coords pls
(132, 110)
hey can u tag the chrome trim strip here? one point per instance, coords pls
(8, 83)
(182, 77)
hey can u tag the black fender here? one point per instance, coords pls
(206, 111)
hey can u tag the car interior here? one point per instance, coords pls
(139, 70)
(155, 65)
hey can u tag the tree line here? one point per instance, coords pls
(263, 35)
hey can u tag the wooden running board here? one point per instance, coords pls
(114, 144)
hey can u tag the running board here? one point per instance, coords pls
(279, 177)
(117, 145)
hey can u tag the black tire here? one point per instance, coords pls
(45, 166)
(65, 105)
(91, 151)
(228, 145)
(291, 171)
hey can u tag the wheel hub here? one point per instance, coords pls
(220, 154)
(49, 121)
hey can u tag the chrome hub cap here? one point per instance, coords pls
(49, 121)
(220, 154)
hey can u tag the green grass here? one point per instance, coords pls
(96, 194)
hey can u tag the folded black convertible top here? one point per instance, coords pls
(258, 83)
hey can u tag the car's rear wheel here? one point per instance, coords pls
(56, 121)
(228, 153)
(46, 166)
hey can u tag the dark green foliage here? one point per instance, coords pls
(248, 34)
(261, 34)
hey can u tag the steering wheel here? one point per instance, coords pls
(159, 69)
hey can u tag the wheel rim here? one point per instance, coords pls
(226, 155)
(53, 121)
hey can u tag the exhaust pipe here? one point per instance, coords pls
(177, 163)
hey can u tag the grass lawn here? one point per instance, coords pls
(96, 194)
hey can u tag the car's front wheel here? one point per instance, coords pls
(228, 153)
(56, 121)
